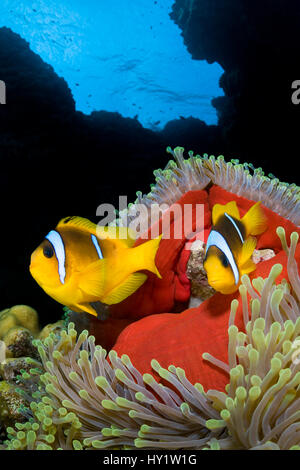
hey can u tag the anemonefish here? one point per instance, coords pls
(230, 245)
(82, 266)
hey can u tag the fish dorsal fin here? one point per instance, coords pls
(92, 279)
(247, 251)
(255, 220)
(219, 209)
(79, 223)
(127, 288)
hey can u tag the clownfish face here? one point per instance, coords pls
(44, 266)
(219, 271)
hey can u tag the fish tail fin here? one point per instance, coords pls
(147, 253)
(246, 265)
(230, 208)
(255, 220)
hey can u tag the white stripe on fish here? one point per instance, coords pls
(235, 226)
(59, 248)
(216, 239)
(97, 246)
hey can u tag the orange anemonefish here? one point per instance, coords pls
(82, 266)
(229, 245)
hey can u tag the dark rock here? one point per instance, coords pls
(257, 44)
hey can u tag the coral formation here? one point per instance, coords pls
(85, 400)
(19, 325)
(10, 405)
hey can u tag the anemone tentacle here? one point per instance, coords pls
(197, 172)
(261, 403)
(85, 400)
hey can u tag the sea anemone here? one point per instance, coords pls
(88, 400)
(261, 405)
(198, 172)
(197, 180)
(223, 375)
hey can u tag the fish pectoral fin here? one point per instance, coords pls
(248, 267)
(255, 220)
(128, 287)
(91, 280)
(246, 253)
(97, 309)
(86, 307)
(219, 209)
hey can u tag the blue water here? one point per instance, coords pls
(118, 55)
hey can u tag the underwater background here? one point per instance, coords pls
(180, 102)
(96, 91)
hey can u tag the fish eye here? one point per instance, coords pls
(48, 251)
(224, 260)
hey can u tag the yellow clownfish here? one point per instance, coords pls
(230, 246)
(82, 266)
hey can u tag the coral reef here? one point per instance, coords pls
(259, 407)
(11, 403)
(19, 325)
(84, 400)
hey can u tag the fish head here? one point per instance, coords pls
(219, 272)
(44, 265)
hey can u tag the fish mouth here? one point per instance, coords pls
(33, 272)
(31, 269)
(219, 286)
(32, 265)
